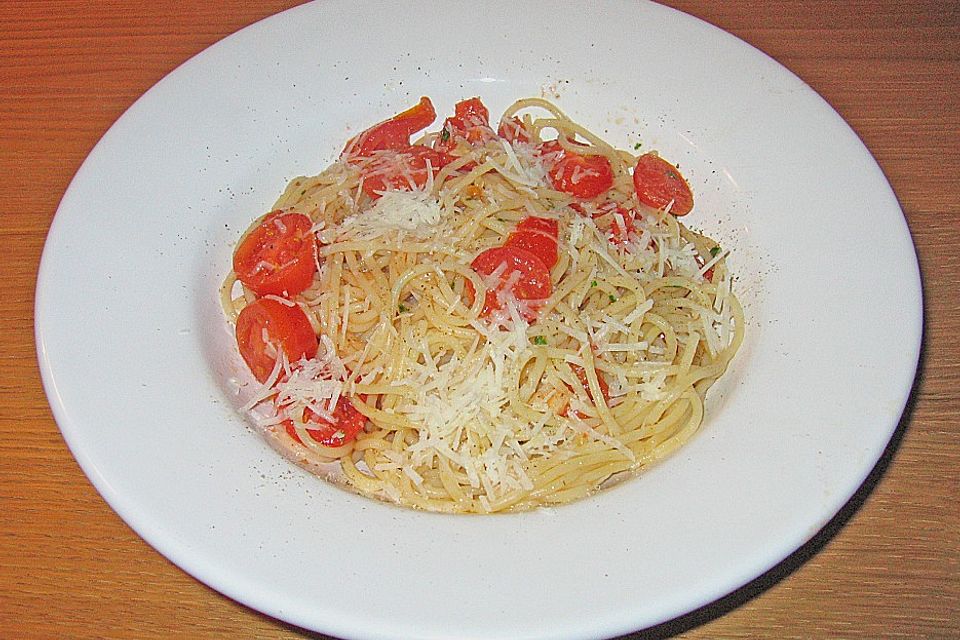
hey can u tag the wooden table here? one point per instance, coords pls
(887, 566)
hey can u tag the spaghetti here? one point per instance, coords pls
(482, 320)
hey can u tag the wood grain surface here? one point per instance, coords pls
(888, 566)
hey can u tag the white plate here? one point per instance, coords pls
(135, 354)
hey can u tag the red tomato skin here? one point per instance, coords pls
(539, 237)
(284, 241)
(393, 133)
(548, 226)
(551, 149)
(554, 152)
(472, 108)
(581, 374)
(512, 130)
(348, 422)
(583, 177)
(618, 236)
(287, 329)
(470, 121)
(417, 157)
(534, 282)
(657, 183)
(708, 274)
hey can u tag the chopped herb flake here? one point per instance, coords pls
(637, 146)
(445, 134)
(714, 251)
(403, 308)
(613, 298)
(593, 283)
(539, 340)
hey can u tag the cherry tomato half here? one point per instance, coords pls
(470, 121)
(347, 423)
(393, 133)
(279, 256)
(266, 327)
(618, 235)
(580, 175)
(512, 130)
(538, 236)
(581, 374)
(395, 170)
(617, 213)
(472, 111)
(708, 274)
(658, 183)
(533, 282)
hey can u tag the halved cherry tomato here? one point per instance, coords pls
(658, 183)
(347, 423)
(472, 112)
(548, 226)
(618, 213)
(538, 236)
(279, 256)
(393, 133)
(470, 121)
(533, 282)
(708, 274)
(551, 151)
(581, 374)
(266, 327)
(395, 170)
(512, 130)
(580, 175)
(618, 235)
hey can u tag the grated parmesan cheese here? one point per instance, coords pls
(408, 210)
